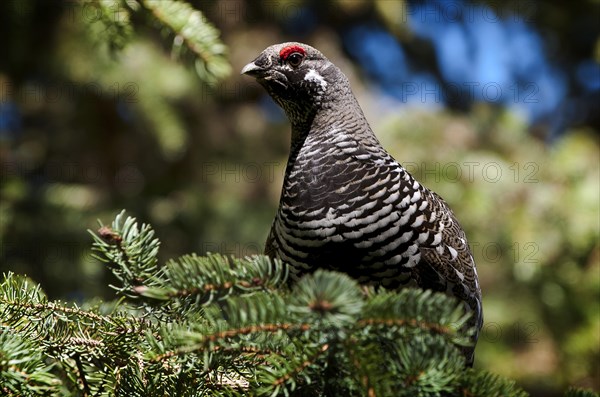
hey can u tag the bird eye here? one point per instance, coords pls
(295, 59)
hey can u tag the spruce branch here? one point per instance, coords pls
(480, 384)
(180, 284)
(283, 374)
(216, 325)
(210, 341)
(111, 23)
(200, 280)
(25, 308)
(193, 32)
(130, 250)
(580, 392)
(23, 368)
(326, 297)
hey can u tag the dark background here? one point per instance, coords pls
(494, 105)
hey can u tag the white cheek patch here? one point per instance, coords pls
(315, 77)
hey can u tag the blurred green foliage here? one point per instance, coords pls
(138, 129)
(531, 214)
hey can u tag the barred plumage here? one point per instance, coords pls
(346, 204)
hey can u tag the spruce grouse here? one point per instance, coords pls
(346, 204)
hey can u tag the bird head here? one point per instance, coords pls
(297, 76)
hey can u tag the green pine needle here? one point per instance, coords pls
(216, 325)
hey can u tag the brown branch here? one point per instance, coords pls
(437, 328)
(80, 370)
(302, 366)
(57, 308)
(244, 349)
(86, 342)
(256, 282)
(272, 328)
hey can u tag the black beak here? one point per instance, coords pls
(252, 69)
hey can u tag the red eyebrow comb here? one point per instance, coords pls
(286, 51)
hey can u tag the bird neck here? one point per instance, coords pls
(338, 112)
(337, 120)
